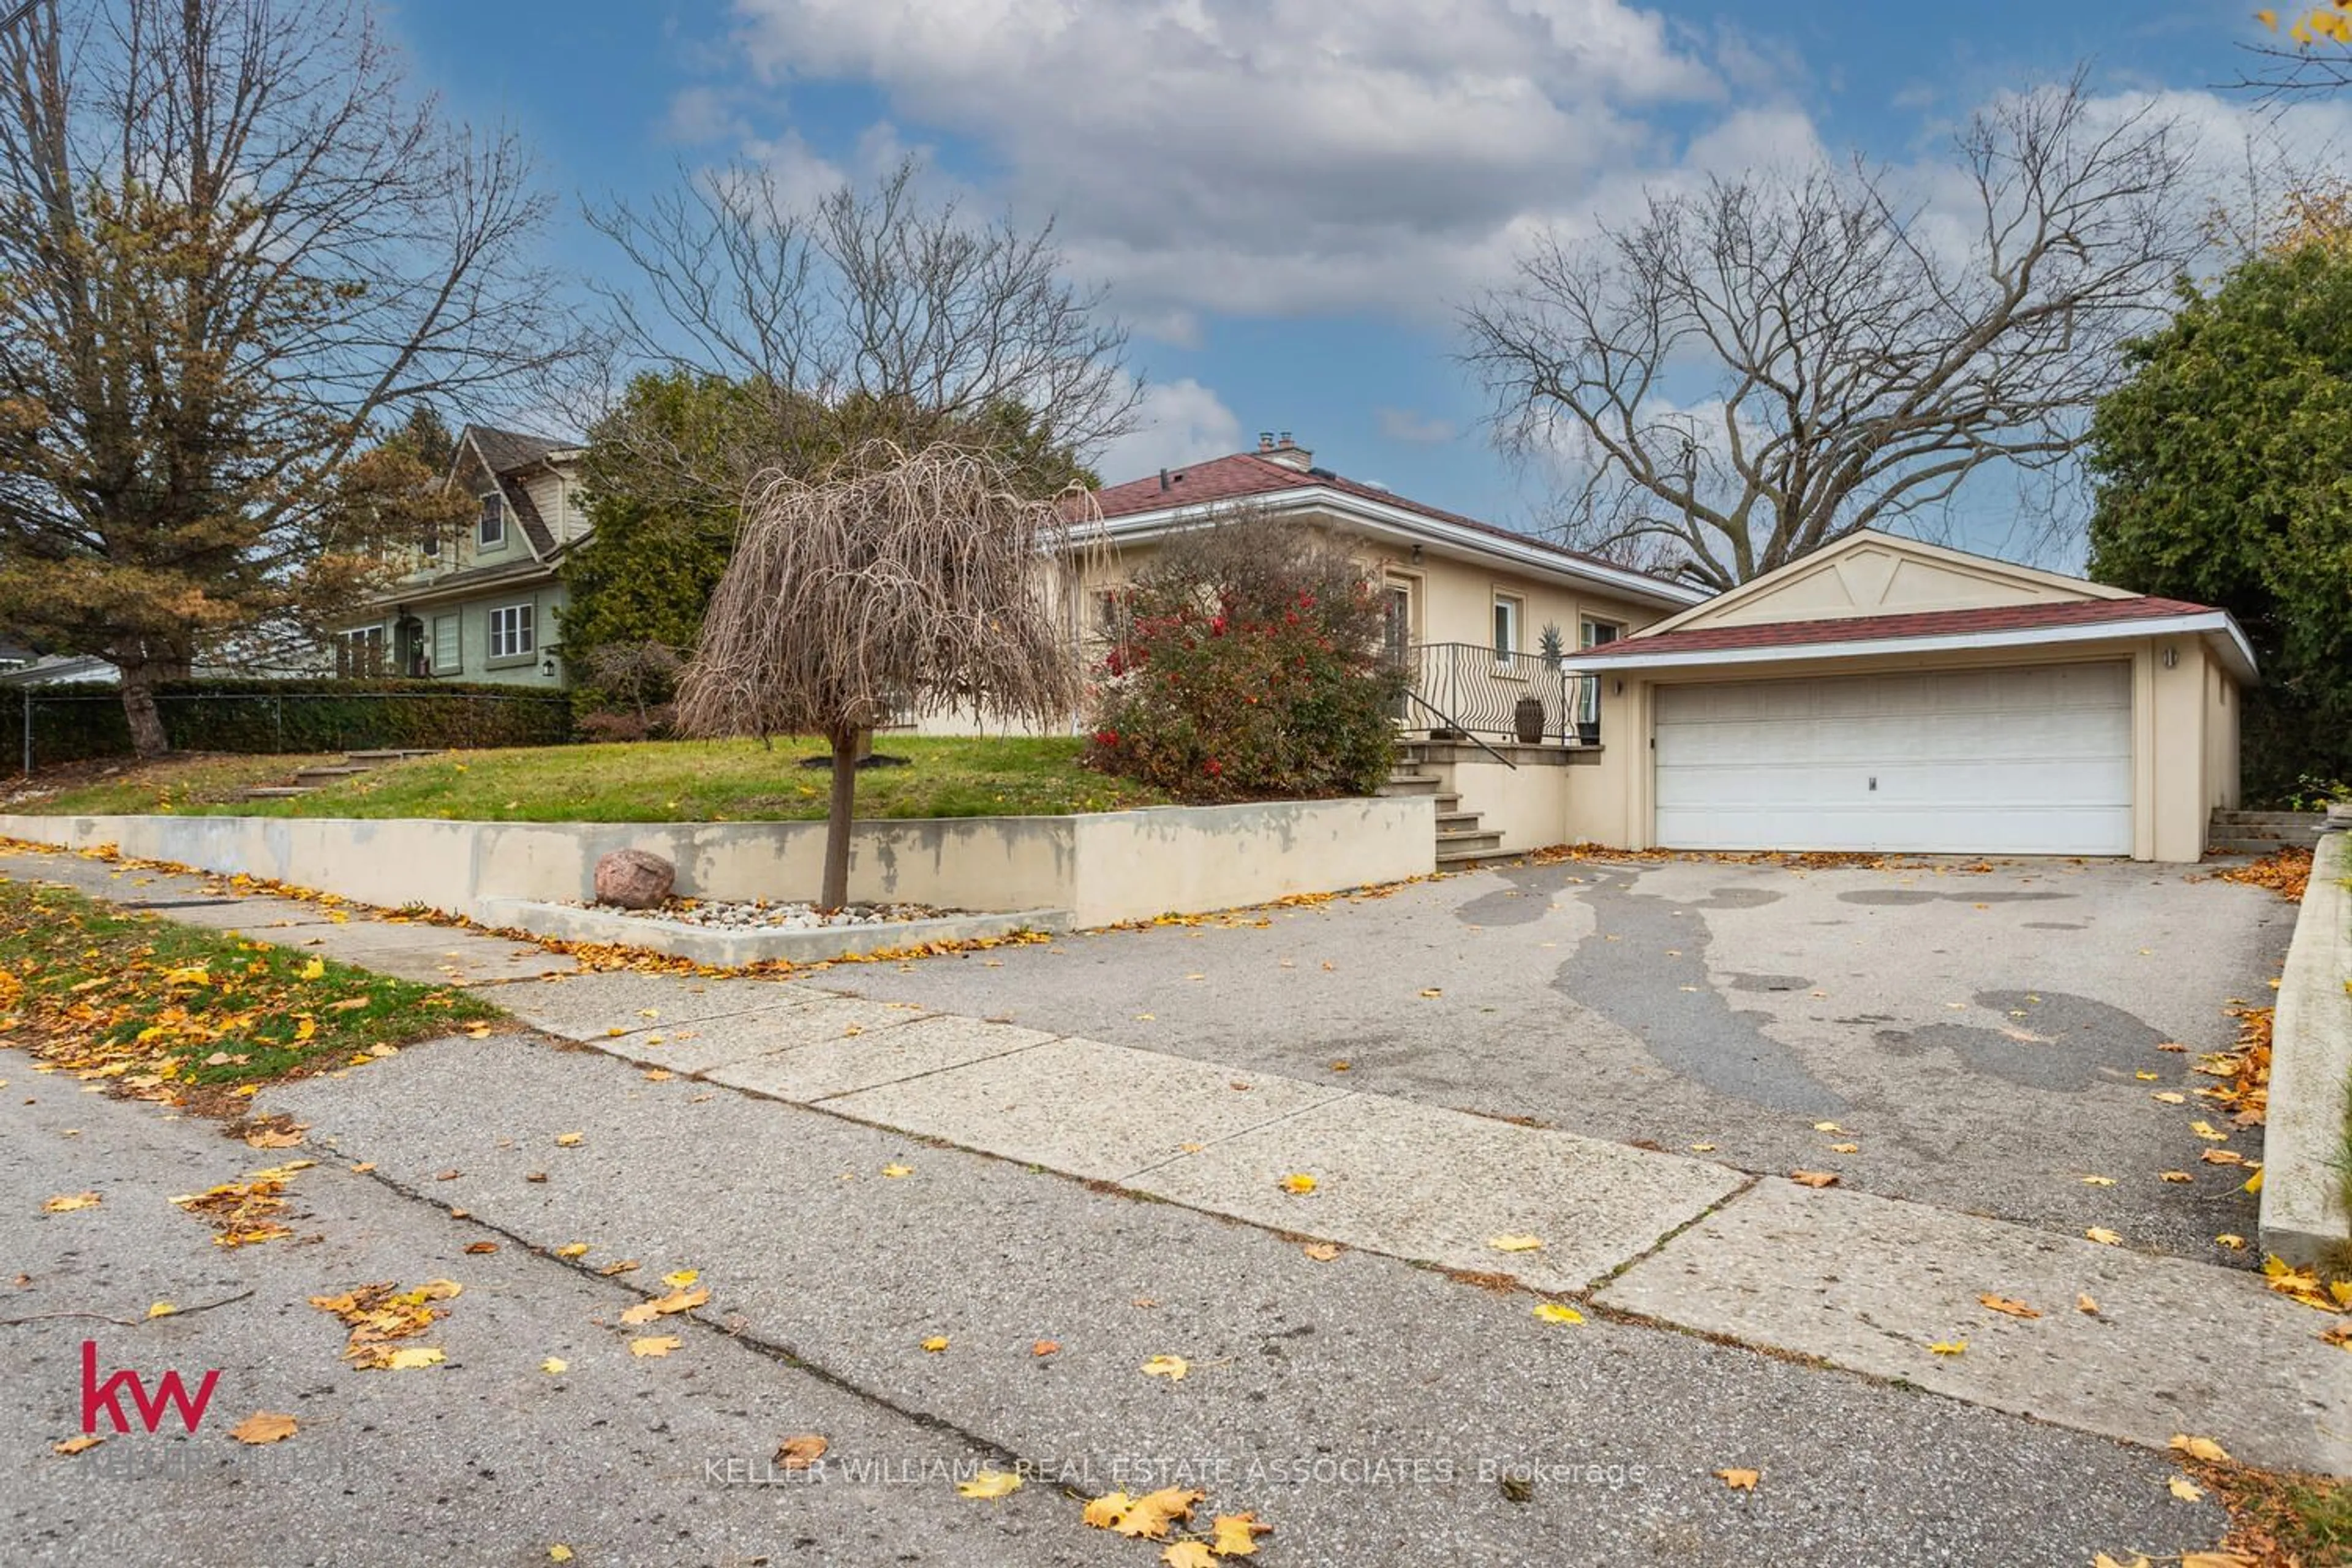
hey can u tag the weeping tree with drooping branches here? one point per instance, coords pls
(896, 579)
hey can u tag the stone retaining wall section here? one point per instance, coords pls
(1101, 868)
(2303, 1214)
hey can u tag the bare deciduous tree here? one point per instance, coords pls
(227, 242)
(1751, 372)
(861, 315)
(896, 579)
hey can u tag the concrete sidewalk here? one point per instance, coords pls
(1857, 1281)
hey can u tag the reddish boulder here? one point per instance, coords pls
(633, 878)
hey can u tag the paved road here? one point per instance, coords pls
(1987, 1039)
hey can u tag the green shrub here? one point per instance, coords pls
(78, 720)
(1246, 664)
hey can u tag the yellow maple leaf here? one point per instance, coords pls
(195, 974)
(573, 1249)
(553, 1366)
(1236, 1534)
(314, 970)
(1320, 1251)
(655, 1344)
(2008, 1305)
(1105, 1511)
(1554, 1312)
(2099, 1181)
(412, 1358)
(2197, 1447)
(1298, 1182)
(936, 1343)
(2169, 1097)
(2103, 1237)
(81, 1443)
(162, 1310)
(1814, 1178)
(1740, 1481)
(569, 1140)
(1171, 1367)
(2254, 1182)
(1950, 1347)
(264, 1426)
(2086, 1305)
(2185, 1489)
(2234, 1242)
(1516, 1243)
(897, 1171)
(1188, 1554)
(1845, 1148)
(559, 1553)
(1147, 1518)
(987, 1484)
(67, 1202)
(679, 1278)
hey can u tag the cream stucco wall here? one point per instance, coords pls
(2183, 764)
(1872, 575)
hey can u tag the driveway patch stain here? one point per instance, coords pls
(1771, 983)
(1644, 968)
(2053, 1041)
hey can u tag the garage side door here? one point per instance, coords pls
(2020, 762)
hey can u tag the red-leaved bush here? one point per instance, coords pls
(1245, 663)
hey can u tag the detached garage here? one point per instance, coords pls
(1888, 695)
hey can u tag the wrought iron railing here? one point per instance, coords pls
(1475, 691)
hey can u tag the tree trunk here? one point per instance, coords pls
(838, 817)
(148, 739)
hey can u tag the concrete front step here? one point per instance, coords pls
(330, 773)
(1456, 822)
(2310, 819)
(1409, 784)
(2250, 843)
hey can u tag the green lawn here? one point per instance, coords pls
(166, 1007)
(674, 781)
(119, 787)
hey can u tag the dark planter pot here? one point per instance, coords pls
(1588, 734)
(1528, 719)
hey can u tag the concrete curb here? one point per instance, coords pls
(734, 949)
(2303, 1214)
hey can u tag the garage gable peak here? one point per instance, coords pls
(1871, 573)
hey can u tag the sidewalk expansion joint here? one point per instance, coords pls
(1335, 1098)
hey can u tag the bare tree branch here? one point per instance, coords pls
(1846, 356)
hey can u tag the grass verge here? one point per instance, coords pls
(180, 1014)
(649, 781)
(117, 786)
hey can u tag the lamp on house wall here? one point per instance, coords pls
(2171, 656)
(547, 667)
(1416, 554)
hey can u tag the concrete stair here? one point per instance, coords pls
(308, 781)
(2261, 832)
(1461, 840)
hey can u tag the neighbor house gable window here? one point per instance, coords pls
(493, 532)
(1509, 612)
(510, 632)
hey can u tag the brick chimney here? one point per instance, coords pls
(1283, 450)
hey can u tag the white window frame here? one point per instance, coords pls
(1508, 619)
(1588, 636)
(377, 644)
(494, 512)
(517, 639)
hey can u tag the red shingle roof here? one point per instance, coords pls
(1917, 624)
(1247, 474)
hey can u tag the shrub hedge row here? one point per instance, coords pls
(82, 720)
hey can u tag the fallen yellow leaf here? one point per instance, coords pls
(936, 1343)
(655, 1344)
(1555, 1312)
(2185, 1489)
(2099, 1181)
(2177, 1177)
(1171, 1367)
(1950, 1347)
(2234, 1242)
(569, 1140)
(990, 1484)
(1516, 1243)
(162, 1310)
(2169, 1097)
(264, 1426)
(895, 1171)
(559, 1553)
(1845, 1148)
(1236, 1534)
(1740, 1481)
(2197, 1447)
(81, 1444)
(412, 1359)
(1814, 1178)
(679, 1278)
(68, 1203)
(573, 1249)
(553, 1366)
(1298, 1182)
(1045, 1347)
(1188, 1554)
(1320, 1251)
(799, 1453)
(314, 970)
(2103, 1237)
(2013, 1308)
(2085, 1304)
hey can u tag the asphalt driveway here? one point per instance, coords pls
(1983, 1039)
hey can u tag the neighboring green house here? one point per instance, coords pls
(482, 607)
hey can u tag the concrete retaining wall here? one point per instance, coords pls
(1101, 868)
(2303, 1214)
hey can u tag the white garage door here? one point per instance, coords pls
(2020, 762)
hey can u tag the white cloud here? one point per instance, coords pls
(1180, 422)
(1415, 430)
(1211, 155)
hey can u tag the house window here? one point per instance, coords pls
(493, 532)
(1594, 633)
(360, 653)
(1508, 613)
(428, 544)
(510, 632)
(448, 649)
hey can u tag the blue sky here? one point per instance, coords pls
(1286, 197)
